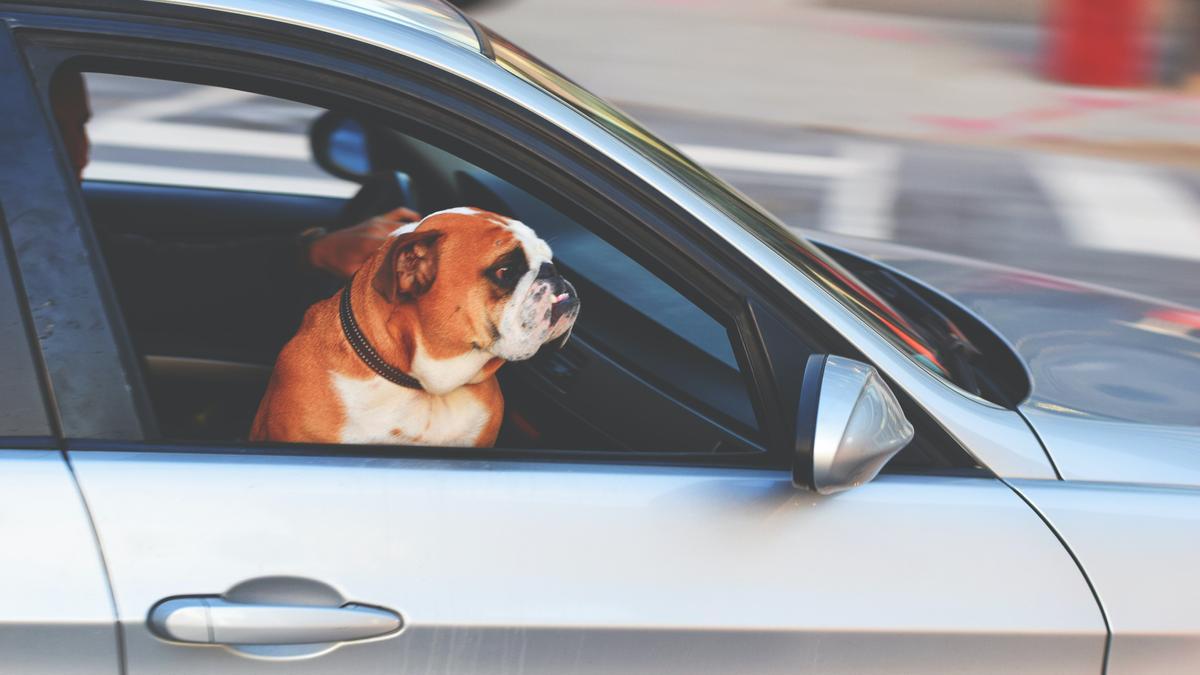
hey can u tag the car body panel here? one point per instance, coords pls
(1114, 375)
(1140, 546)
(551, 568)
(56, 616)
(1119, 452)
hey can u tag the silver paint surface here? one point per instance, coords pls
(1116, 377)
(209, 620)
(553, 568)
(1140, 546)
(860, 426)
(56, 617)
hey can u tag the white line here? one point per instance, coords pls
(189, 101)
(860, 204)
(1121, 207)
(223, 180)
(116, 130)
(197, 138)
(713, 157)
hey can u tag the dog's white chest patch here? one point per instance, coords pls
(378, 411)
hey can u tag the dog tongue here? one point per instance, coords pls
(558, 307)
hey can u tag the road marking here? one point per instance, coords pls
(1121, 207)
(714, 157)
(860, 204)
(117, 131)
(202, 139)
(221, 180)
(195, 98)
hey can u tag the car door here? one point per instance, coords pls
(236, 558)
(503, 566)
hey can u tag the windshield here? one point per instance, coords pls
(839, 281)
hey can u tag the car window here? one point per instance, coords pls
(148, 131)
(191, 187)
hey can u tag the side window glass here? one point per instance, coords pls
(214, 217)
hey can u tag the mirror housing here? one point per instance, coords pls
(848, 425)
(340, 146)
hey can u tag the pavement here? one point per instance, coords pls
(820, 115)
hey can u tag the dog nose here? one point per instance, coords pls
(547, 271)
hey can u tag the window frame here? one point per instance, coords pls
(45, 243)
(188, 54)
(25, 419)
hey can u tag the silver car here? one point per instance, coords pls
(758, 454)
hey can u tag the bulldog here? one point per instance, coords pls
(408, 351)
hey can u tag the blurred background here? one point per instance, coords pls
(1056, 135)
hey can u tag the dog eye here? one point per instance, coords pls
(506, 272)
(505, 276)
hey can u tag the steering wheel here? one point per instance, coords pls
(381, 192)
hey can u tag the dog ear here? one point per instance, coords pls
(409, 267)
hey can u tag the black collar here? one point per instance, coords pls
(366, 352)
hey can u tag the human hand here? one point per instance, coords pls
(341, 253)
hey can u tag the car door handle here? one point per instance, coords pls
(213, 620)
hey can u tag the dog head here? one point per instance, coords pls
(479, 281)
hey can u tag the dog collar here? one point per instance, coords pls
(366, 353)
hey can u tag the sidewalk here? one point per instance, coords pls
(796, 62)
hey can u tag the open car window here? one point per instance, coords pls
(157, 132)
(646, 369)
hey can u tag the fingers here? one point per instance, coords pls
(376, 228)
(382, 225)
(402, 214)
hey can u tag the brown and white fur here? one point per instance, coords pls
(447, 300)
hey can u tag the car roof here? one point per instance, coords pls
(356, 18)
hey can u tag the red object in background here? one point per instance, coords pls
(1097, 42)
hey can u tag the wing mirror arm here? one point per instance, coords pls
(848, 425)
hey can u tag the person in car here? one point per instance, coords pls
(198, 288)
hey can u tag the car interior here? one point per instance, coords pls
(645, 369)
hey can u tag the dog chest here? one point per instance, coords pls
(378, 411)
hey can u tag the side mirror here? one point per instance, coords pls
(848, 426)
(339, 145)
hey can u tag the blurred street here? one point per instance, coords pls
(931, 132)
(816, 64)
